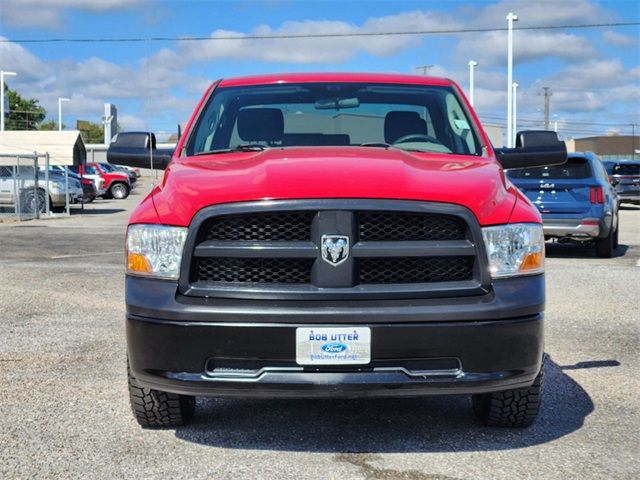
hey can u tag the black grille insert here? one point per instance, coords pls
(415, 269)
(398, 249)
(402, 226)
(276, 226)
(254, 270)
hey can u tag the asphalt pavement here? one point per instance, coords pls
(64, 409)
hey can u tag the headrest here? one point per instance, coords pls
(260, 124)
(401, 123)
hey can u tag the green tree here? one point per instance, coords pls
(50, 125)
(91, 132)
(24, 113)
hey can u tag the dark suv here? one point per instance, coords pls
(576, 200)
(624, 175)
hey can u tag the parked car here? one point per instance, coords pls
(325, 235)
(90, 194)
(116, 184)
(124, 168)
(107, 167)
(89, 191)
(624, 175)
(31, 199)
(576, 201)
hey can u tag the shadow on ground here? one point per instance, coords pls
(95, 210)
(578, 250)
(428, 424)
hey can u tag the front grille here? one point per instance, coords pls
(390, 251)
(254, 270)
(281, 226)
(400, 226)
(415, 269)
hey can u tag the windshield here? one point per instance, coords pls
(410, 117)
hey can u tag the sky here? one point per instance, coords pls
(593, 73)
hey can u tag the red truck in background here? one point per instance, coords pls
(326, 235)
(116, 184)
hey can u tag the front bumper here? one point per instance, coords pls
(226, 347)
(59, 199)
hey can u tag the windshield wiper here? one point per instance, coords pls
(375, 145)
(243, 147)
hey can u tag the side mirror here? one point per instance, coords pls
(138, 150)
(534, 148)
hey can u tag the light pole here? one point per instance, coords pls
(425, 68)
(60, 100)
(510, 19)
(514, 128)
(2, 74)
(472, 64)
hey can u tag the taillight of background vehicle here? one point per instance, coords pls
(597, 195)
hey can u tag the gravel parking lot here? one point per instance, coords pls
(65, 410)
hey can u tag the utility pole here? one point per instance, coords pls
(633, 141)
(547, 95)
(425, 69)
(2, 75)
(514, 129)
(60, 100)
(472, 64)
(510, 19)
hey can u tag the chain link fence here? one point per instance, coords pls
(29, 189)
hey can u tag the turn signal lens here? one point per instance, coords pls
(136, 262)
(533, 261)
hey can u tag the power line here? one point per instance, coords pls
(564, 120)
(316, 35)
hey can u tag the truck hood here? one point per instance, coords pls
(192, 183)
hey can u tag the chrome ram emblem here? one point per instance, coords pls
(335, 249)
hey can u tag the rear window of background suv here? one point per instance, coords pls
(622, 169)
(575, 168)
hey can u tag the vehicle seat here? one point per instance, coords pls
(399, 123)
(261, 125)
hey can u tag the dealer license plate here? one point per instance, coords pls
(333, 345)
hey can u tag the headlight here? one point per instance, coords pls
(516, 249)
(155, 250)
(57, 186)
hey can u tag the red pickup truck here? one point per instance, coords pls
(116, 184)
(325, 235)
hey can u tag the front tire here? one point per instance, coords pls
(518, 407)
(119, 191)
(153, 408)
(33, 202)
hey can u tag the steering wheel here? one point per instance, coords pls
(417, 137)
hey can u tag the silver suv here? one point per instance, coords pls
(18, 190)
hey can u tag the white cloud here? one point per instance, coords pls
(618, 39)
(18, 59)
(490, 48)
(91, 82)
(48, 13)
(318, 50)
(540, 12)
(131, 122)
